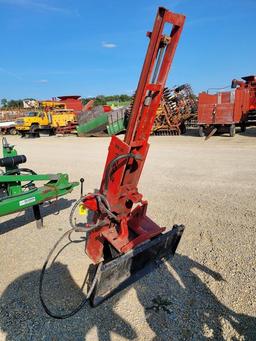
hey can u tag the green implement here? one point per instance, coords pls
(96, 126)
(17, 185)
(116, 127)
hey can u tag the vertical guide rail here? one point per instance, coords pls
(158, 61)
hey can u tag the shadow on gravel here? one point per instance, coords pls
(188, 310)
(26, 217)
(250, 131)
(193, 132)
(22, 317)
(178, 306)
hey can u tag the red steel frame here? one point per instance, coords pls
(134, 226)
(228, 107)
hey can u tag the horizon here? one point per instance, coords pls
(98, 48)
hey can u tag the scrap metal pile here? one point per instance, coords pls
(177, 106)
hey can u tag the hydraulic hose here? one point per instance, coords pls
(17, 172)
(77, 228)
(112, 162)
(103, 204)
(80, 306)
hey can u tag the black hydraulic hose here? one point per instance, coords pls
(17, 172)
(112, 162)
(80, 227)
(101, 198)
(42, 274)
(103, 203)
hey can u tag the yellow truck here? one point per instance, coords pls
(45, 121)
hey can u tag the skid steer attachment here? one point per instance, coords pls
(127, 240)
(118, 273)
(121, 240)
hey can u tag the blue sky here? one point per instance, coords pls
(58, 47)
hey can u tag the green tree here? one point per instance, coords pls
(102, 100)
(4, 102)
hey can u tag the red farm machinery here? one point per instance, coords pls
(224, 111)
(122, 242)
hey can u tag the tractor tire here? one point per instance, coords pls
(13, 131)
(34, 131)
(183, 129)
(201, 131)
(232, 130)
(52, 132)
(243, 127)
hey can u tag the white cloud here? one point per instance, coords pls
(34, 4)
(108, 45)
(42, 81)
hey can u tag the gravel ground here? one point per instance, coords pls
(206, 292)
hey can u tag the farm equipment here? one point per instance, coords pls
(117, 120)
(72, 102)
(121, 240)
(8, 127)
(49, 118)
(7, 120)
(224, 111)
(177, 106)
(248, 86)
(17, 185)
(93, 122)
(70, 128)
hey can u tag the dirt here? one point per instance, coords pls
(206, 292)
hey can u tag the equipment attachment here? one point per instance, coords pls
(17, 185)
(121, 240)
(124, 236)
(118, 273)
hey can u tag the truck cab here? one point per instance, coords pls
(32, 120)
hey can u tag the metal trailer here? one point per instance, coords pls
(93, 122)
(95, 127)
(224, 111)
(117, 121)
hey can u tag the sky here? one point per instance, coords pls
(89, 48)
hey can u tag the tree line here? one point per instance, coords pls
(11, 104)
(102, 100)
(98, 100)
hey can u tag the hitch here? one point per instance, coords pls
(18, 190)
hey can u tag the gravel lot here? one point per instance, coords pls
(206, 292)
